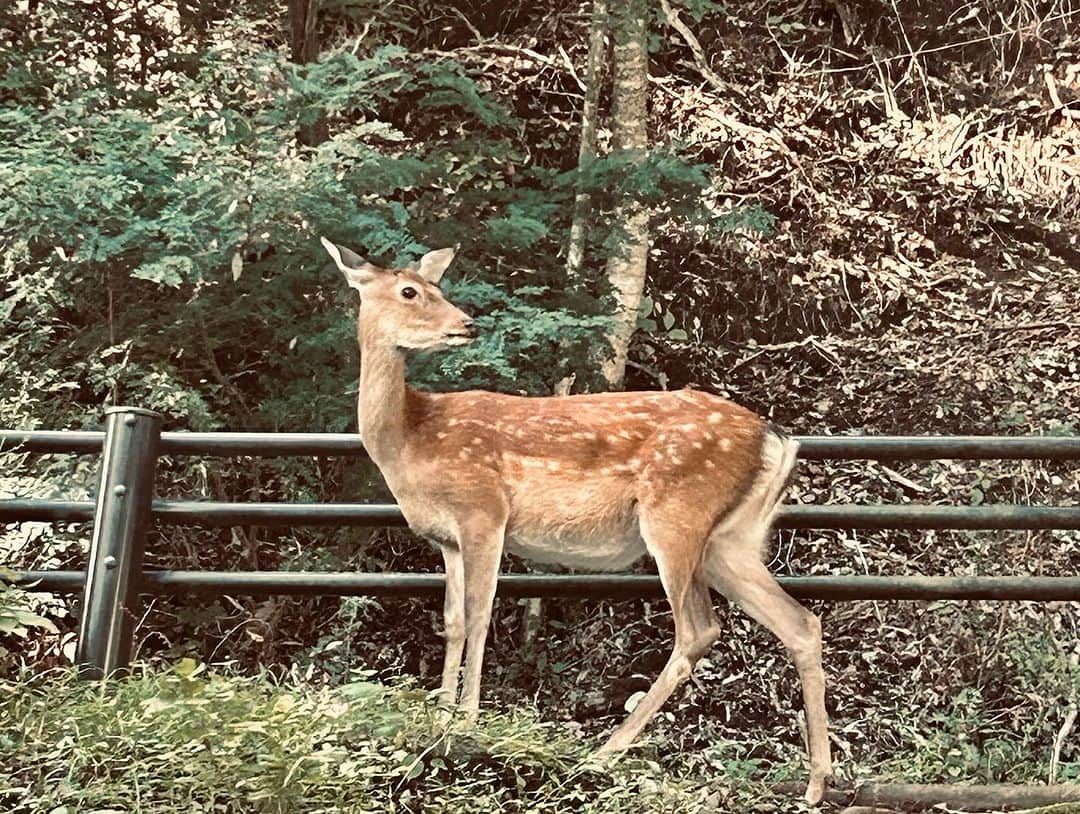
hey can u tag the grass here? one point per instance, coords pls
(189, 740)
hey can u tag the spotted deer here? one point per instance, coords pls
(591, 481)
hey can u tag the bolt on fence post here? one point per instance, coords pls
(121, 518)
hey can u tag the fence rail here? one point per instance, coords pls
(837, 516)
(124, 507)
(593, 586)
(811, 447)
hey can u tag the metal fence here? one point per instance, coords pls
(125, 506)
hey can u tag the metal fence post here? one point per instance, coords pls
(121, 518)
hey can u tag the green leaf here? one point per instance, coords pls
(29, 619)
(170, 271)
(413, 766)
(186, 667)
(362, 690)
(9, 625)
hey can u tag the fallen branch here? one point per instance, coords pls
(695, 48)
(997, 797)
(1059, 741)
(1017, 327)
(506, 49)
(910, 484)
(734, 125)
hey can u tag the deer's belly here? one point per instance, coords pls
(576, 528)
(578, 552)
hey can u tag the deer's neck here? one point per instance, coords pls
(381, 404)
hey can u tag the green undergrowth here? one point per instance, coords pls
(191, 740)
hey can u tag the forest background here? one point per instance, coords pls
(848, 216)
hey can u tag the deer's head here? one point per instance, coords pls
(404, 308)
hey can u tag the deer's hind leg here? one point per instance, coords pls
(677, 552)
(733, 566)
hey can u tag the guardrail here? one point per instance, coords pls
(125, 506)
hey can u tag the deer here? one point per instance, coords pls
(592, 481)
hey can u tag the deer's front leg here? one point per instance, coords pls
(454, 623)
(481, 551)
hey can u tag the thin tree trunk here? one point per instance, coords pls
(303, 42)
(193, 18)
(304, 46)
(579, 226)
(627, 263)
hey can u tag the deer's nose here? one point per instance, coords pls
(469, 326)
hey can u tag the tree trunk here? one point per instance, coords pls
(193, 16)
(627, 262)
(304, 46)
(579, 226)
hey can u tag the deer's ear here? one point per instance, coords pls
(434, 264)
(356, 269)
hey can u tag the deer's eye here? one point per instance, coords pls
(408, 292)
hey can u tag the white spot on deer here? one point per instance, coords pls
(453, 422)
(553, 466)
(440, 435)
(697, 445)
(710, 465)
(478, 441)
(675, 460)
(688, 427)
(716, 418)
(464, 455)
(725, 444)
